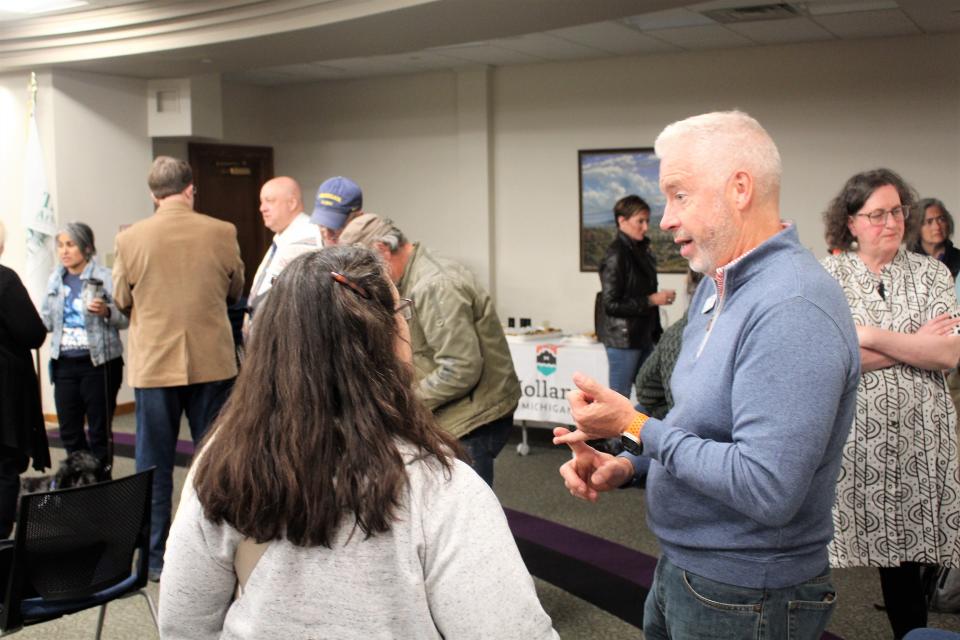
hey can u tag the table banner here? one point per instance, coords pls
(546, 372)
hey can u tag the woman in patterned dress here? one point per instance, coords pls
(898, 494)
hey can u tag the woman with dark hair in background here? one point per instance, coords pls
(627, 307)
(898, 494)
(368, 526)
(931, 233)
(86, 364)
(22, 432)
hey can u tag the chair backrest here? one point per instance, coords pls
(73, 543)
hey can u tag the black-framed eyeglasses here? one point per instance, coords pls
(405, 308)
(878, 218)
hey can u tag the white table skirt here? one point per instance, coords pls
(546, 368)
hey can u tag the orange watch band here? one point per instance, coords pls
(633, 429)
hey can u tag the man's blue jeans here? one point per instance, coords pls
(484, 443)
(158, 411)
(684, 606)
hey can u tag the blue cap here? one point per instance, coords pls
(337, 198)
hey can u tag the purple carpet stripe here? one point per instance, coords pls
(122, 438)
(629, 564)
(614, 558)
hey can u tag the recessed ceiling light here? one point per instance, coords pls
(39, 6)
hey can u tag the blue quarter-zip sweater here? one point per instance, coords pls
(746, 462)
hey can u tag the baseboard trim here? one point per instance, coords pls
(122, 409)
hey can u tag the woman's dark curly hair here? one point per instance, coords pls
(851, 199)
(309, 437)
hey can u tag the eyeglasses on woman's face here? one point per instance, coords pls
(878, 217)
(404, 308)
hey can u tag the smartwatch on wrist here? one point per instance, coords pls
(630, 438)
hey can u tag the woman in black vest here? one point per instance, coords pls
(627, 309)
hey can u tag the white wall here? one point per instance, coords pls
(94, 132)
(14, 97)
(834, 108)
(427, 148)
(399, 139)
(102, 156)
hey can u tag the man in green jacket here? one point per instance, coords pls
(463, 364)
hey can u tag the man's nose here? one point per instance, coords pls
(668, 221)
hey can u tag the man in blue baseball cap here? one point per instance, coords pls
(339, 199)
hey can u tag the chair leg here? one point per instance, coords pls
(103, 613)
(153, 608)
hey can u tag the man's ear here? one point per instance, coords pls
(383, 249)
(740, 190)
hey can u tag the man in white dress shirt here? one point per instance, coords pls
(281, 204)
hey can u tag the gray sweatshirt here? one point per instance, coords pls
(448, 568)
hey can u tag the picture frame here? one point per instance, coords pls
(605, 176)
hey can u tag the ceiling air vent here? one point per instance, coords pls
(753, 13)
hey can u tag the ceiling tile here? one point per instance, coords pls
(369, 66)
(427, 61)
(548, 47)
(782, 31)
(670, 19)
(290, 74)
(827, 7)
(868, 24)
(932, 16)
(485, 53)
(709, 37)
(614, 38)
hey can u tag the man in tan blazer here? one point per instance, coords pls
(174, 274)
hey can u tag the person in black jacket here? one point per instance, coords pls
(932, 232)
(627, 308)
(22, 432)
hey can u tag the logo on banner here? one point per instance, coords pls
(547, 358)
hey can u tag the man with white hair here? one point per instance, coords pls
(744, 467)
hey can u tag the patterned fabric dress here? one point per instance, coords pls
(898, 494)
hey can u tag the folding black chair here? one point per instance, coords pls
(74, 549)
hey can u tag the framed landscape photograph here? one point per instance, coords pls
(606, 175)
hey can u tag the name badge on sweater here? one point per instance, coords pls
(709, 303)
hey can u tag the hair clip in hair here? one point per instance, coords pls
(342, 279)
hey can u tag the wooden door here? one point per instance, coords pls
(228, 180)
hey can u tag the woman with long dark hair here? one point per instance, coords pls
(367, 524)
(86, 354)
(898, 494)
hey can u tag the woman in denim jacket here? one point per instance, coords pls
(86, 363)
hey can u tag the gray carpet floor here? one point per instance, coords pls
(529, 484)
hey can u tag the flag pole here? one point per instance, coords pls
(32, 90)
